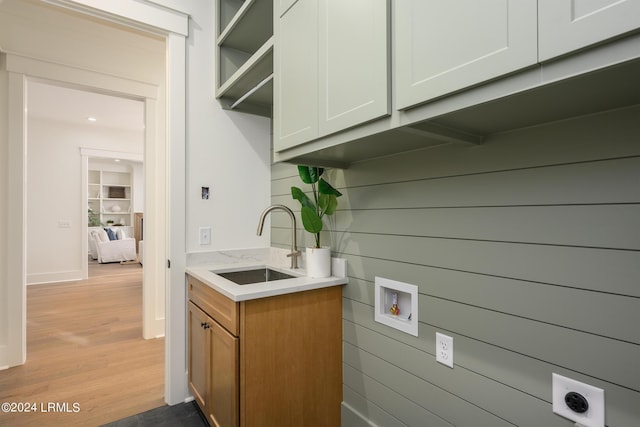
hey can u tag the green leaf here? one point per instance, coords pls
(300, 196)
(325, 188)
(331, 203)
(309, 174)
(310, 219)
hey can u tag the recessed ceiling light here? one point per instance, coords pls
(116, 160)
(92, 119)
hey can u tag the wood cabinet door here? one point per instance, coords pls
(224, 391)
(199, 358)
(295, 109)
(354, 63)
(445, 46)
(567, 25)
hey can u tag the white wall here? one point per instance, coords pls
(4, 224)
(54, 193)
(226, 151)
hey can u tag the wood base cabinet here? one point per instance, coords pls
(269, 361)
(213, 368)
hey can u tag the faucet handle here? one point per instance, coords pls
(294, 260)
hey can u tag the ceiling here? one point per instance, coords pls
(74, 106)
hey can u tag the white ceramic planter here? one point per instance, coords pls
(319, 262)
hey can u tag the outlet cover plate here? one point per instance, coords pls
(444, 349)
(594, 416)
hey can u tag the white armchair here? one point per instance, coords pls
(105, 250)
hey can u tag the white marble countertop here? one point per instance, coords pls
(200, 266)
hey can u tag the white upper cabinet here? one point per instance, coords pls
(445, 46)
(282, 6)
(567, 25)
(295, 106)
(331, 67)
(354, 80)
(462, 70)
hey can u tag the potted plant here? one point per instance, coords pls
(325, 201)
(94, 218)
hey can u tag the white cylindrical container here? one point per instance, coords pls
(319, 262)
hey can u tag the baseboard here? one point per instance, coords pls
(54, 276)
(352, 418)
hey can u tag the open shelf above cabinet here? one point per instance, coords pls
(245, 56)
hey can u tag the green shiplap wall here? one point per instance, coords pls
(526, 250)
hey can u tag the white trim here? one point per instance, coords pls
(77, 76)
(176, 388)
(155, 223)
(108, 154)
(84, 245)
(15, 353)
(54, 277)
(147, 16)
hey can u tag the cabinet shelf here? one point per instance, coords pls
(248, 30)
(244, 49)
(250, 87)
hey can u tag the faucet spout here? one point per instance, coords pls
(295, 253)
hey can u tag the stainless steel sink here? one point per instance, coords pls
(254, 275)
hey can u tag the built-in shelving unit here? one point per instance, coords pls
(244, 49)
(109, 198)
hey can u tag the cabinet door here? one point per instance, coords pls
(567, 25)
(296, 76)
(282, 6)
(354, 58)
(199, 358)
(445, 46)
(224, 377)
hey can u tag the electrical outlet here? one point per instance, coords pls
(205, 235)
(444, 349)
(578, 402)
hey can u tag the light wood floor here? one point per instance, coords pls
(85, 346)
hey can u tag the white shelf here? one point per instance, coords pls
(250, 26)
(251, 83)
(244, 49)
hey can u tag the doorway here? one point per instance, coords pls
(74, 133)
(165, 217)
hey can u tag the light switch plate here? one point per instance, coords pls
(205, 235)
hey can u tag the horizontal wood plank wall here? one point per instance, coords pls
(526, 250)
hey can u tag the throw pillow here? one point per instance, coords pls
(111, 234)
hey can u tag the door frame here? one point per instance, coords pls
(171, 203)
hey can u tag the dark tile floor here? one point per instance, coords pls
(182, 415)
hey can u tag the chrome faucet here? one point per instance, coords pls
(295, 253)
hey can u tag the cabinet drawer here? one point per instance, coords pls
(216, 305)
